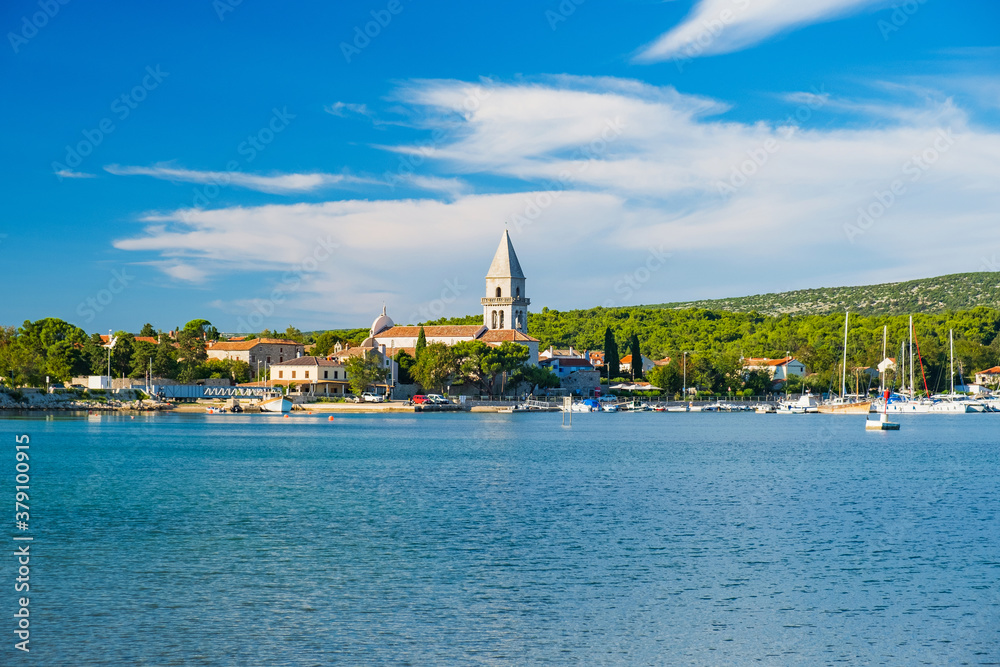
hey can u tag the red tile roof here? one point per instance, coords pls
(437, 331)
(145, 339)
(241, 345)
(990, 371)
(502, 335)
(752, 361)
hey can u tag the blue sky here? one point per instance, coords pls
(261, 164)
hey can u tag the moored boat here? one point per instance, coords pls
(276, 404)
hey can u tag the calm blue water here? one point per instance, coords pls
(507, 539)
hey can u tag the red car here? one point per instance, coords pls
(419, 399)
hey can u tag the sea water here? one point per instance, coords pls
(705, 539)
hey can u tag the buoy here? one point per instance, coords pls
(286, 416)
(330, 418)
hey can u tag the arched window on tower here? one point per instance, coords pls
(498, 292)
(517, 292)
(494, 319)
(501, 319)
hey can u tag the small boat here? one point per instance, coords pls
(214, 410)
(765, 410)
(276, 404)
(845, 406)
(609, 407)
(805, 405)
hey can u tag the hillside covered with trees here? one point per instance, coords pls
(959, 291)
(716, 341)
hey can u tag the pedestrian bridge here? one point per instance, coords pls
(201, 391)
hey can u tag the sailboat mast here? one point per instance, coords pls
(951, 343)
(843, 373)
(912, 393)
(881, 374)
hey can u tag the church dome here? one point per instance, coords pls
(381, 323)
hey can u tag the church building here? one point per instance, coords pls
(505, 314)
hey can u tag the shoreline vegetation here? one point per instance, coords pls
(712, 342)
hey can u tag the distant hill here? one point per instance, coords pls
(959, 291)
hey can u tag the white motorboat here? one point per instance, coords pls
(276, 404)
(806, 404)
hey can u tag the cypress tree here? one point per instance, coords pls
(633, 344)
(611, 361)
(421, 345)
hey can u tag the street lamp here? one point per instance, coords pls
(685, 375)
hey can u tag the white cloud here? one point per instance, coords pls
(183, 272)
(275, 184)
(69, 173)
(723, 26)
(603, 172)
(343, 109)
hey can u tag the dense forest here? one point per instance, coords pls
(714, 341)
(960, 291)
(720, 339)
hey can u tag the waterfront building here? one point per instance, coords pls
(262, 351)
(625, 364)
(778, 369)
(312, 375)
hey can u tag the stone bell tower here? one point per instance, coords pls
(505, 306)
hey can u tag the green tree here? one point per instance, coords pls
(421, 344)
(191, 354)
(667, 377)
(435, 367)
(291, 333)
(405, 362)
(636, 356)
(527, 377)
(165, 359)
(142, 354)
(148, 331)
(481, 365)
(325, 343)
(121, 353)
(611, 359)
(364, 370)
(202, 329)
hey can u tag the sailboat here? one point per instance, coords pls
(954, 403)
(841, 405)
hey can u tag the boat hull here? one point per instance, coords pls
(280, 404)
(859, 408)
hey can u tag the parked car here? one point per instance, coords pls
(369, 397)
(437, 399)
(419, 399)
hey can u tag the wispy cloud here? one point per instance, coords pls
(724, 26)
(344, 109)
(666, 178)
(275, 184)
(69, 173)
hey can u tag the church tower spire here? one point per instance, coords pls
(505, 305)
